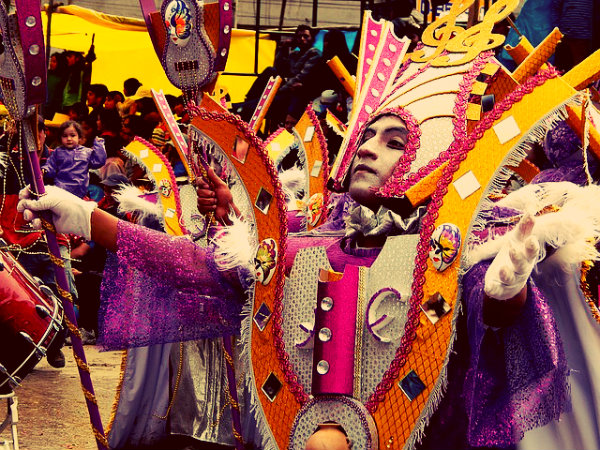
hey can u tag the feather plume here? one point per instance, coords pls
(235, 245)
(293, 182)
(131, 200)
(572, 231)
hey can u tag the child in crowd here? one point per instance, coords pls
(70, 163)
(114, 99)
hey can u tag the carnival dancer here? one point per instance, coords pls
(383, 144)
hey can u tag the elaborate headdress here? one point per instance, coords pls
(436, 90)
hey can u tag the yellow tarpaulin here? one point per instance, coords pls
(122, 53)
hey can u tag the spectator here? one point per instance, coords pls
(90, 131)
(130, 87)
(132, 126)
(96, 95)
(109, 127)
(113, 100)
(69, 164)
(79, 72)
(301, 67)
(52, 129)
(77, 111)
(55, 84)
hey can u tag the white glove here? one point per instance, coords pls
(70, 214)
(512, 266)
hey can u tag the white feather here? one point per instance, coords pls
(573, 230)
(235, 245)
(534, 197)
(293, 183)
(131, 200)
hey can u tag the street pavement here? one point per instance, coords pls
(51, 406)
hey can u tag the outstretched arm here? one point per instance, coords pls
(506, 278)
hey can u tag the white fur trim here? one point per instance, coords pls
(293, 182)
(131, 200)
(572, 231)
(234, 245)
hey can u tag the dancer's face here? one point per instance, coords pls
(382, 146)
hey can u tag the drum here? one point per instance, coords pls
(30, 318)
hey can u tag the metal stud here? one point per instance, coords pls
(322, 367)
(324, 334)
(327, 304)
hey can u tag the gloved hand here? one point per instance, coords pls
(70, 214)
(512, 266)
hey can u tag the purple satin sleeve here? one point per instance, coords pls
(517, 378)
(159, 288)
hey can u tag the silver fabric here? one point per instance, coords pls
(197, 406)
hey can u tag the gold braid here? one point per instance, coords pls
(65, 294)
(48, 226)
(56, 260)
(176, 388)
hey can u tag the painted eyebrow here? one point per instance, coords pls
(402, 130)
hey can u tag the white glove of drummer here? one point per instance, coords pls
(512, 266)
(70, 214)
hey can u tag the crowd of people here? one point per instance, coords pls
(81, 141)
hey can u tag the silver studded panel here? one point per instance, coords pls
(393, 268)
(300, 302)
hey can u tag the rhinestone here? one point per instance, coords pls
(374, 92)
(387, 62)
(392, 48)
(327, 304)
(373, 33)
(381, 76)
(226, 29)
(30, 21)
(322, 367)
(368, 109)
(371, 47)
(36, 81)
(34, 49)
(324, 334)
(223, 52)
(226, 6)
